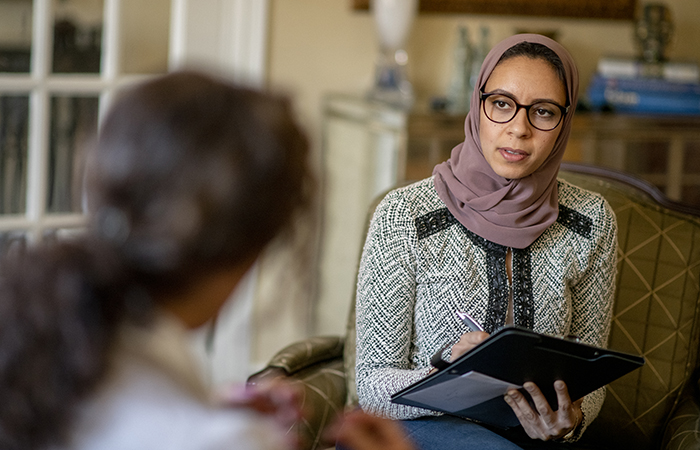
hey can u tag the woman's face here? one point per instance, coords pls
(516, 149)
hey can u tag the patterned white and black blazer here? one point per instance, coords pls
(420, 265)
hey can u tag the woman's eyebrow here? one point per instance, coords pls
(514, 97)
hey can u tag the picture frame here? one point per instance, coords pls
(581, 9)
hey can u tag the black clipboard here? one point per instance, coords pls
(513, 356)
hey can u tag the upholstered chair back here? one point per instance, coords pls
(655, 312)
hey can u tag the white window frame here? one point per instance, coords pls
(41, 84)
(231, 36)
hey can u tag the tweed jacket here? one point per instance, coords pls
(420, 265)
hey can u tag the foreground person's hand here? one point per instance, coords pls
(361, 431)
(276, 399)
(543, 423)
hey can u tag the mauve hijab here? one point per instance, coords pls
(509, 212)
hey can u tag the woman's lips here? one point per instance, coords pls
(512, 155)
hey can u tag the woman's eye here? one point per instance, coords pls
(543, 112)
(502, 104)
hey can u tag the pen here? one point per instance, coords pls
(469, 321)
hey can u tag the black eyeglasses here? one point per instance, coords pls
(502, 108)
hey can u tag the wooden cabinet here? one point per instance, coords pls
(430, 139)
(662, 150)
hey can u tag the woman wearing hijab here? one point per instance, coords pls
(495, 234)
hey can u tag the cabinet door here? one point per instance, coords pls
(660, 149)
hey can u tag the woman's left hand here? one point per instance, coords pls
(543, 423)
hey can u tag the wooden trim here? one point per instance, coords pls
(599, 9)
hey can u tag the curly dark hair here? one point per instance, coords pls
(60, 306)
(189, 174)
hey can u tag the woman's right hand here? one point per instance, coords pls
(467, 342)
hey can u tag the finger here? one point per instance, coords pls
(566, 413)
(523, 406)
(546, 415)
(563, 398)
(522, 410)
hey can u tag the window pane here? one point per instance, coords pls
(12, 241)
(61, 234)
(15, 35)
(144, 36)
(14, 121)
(77, 36)
(73, 122)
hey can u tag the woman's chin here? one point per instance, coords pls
(512, 171)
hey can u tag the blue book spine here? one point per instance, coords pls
(644, 96)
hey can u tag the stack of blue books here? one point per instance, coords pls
(630, 86)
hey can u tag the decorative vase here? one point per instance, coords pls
(459, 91)
(393, 20)
(653, 32)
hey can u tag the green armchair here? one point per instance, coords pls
(656, 315)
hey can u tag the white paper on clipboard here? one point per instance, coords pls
(462, 392)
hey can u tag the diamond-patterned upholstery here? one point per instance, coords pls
(656, 315)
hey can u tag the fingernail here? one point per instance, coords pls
(529, 386)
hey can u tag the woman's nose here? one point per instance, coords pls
(520, 126)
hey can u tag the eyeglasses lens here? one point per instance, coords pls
(544, 116)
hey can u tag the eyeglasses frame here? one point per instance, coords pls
(484, 95)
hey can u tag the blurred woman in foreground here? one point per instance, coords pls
(189, 180)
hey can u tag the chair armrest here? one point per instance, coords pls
(315, 365)
(301, 355)
(683, 427)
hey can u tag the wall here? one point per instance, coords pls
(317, 46)
(321, 46)
(145, 28)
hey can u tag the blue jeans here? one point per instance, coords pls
(452, 433)
(449, 433)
